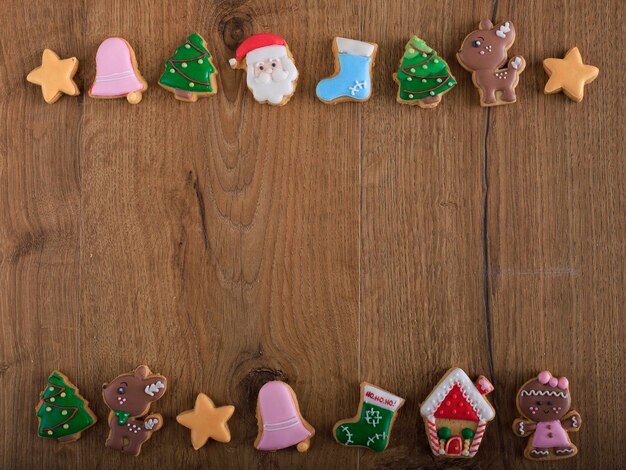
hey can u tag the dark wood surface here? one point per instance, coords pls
(225, 243)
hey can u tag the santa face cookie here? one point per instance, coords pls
(271, 72)
(352, 80)
(456, 414)
(129, 396)
(544, 402)
(280, 423)
(117, 73)
(190, 73)
(483, 53)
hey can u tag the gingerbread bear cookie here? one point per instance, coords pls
(117, 72)
(456, 414)
(129, 396)
(206, 421)
(483, 53)
(55, 76)
(271, 73)
(371, 427)
(544, 402)
(63, 413)
(281, 424)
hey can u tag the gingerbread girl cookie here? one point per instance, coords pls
(129, 397)
(544, 402)
(483, 53)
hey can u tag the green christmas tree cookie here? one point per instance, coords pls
(423, 77)
(190, 73)
(372, 425)
(63, 413)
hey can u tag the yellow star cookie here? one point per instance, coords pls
(55, 76)
(569, 75)
(206, 421)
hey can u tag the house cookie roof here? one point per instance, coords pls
(457, 376)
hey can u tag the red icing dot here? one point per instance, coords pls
(448, 403)
(453, 411)
(454, 396)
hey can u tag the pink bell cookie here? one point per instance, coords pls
(280, 423)
(544, 403)
(117, 73)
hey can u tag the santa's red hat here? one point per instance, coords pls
(260, 47)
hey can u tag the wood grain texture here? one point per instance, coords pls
(225, 243)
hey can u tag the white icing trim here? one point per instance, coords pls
(272, 429)
(543, 393)
(457, 376)
(264, 53)
(352, 46)
(153, 388)
(379, 397)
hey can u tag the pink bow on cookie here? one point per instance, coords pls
(545, 377)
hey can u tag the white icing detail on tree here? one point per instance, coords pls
(357, 86)
(543, 393)
(154, 388)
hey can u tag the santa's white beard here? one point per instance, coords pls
(268, 87)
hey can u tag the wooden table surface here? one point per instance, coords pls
(226, 243)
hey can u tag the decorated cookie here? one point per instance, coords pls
(352, 80)
(456, 414)
(371, 426)
(423, 77)
(544, 402)
(55, 76)
(117, 72)
(569, 75)
(129, 397)
(483, 53)
(190, 73)
(206, 421)
(63, 413)
(271, 72)
(280, 423)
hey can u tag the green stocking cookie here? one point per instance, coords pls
(372, 425)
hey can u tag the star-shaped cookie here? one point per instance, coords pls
(569, 75)
(206, 421)
(55, 76)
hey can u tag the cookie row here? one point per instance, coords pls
(455, 414)
(423, 77)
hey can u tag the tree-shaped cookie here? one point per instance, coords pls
(423, 76)
(190, 73)
(63, 413)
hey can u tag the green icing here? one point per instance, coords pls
(371, 430)
(422, 72)
(444, 433)
(62, 412)
(190, 68)
(467, 433)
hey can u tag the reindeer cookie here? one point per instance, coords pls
(129, 397)
(483, 53)
(544, 402)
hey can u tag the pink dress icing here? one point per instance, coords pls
(115, 75)
(282, 426)
(550, 434)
